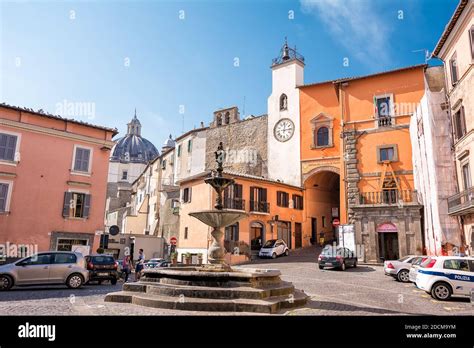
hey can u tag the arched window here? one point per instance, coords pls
(322, 136)
(227, 118)
(283, 102)
(219, 120)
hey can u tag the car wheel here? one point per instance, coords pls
(274, 255)
(355, 263)
(74, 281)
(113, 281)
(441, 291)
(403, 276)
(287, 252)
(321, 267)
(6, 282)
(343, 266)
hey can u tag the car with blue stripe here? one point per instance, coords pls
(446, 276)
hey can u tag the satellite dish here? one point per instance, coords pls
(114, 230)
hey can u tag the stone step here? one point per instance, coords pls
(280, 289)
(221, 293)
(269, 305)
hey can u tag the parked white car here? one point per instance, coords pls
(414, 268)
(274, 248)
(446, 276)
(399, 269)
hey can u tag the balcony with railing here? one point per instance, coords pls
(388, 197)
(260, 207)
(461, 203)
(234, 203)
(384, 121)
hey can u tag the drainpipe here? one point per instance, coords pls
(341, 103)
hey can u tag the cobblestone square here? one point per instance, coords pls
(364, 290)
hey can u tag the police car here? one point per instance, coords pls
(446, 276)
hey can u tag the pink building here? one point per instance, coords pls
(53, 180)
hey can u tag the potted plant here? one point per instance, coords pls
(200, 258)
(187, 258)
(174, 258)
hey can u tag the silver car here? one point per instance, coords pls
(52, 267)
(399, 269)
(414, 268)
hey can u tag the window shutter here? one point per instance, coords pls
(236, 232)
(77, 162)
(463, 120)
(252, 189)
(3, 196)
(87, 206)
(471, 36)
(263, 195)
(85, 160)
(238, 191)
(278, 198)
(67, 203)
(11, 145)
(190, 194)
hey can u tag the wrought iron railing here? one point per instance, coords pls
(461, 201)
(391, 197)
(261, 207)
(234, 203)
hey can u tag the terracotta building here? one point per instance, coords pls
(456, 49)
(53, 180)
(356, 160)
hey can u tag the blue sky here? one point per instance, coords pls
(166, 57)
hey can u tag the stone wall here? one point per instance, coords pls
(245, 143)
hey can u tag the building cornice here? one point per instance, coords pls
(57, 133)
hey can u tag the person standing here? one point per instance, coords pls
(140, 264)
(126, 267)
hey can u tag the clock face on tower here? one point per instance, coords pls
(284, 129)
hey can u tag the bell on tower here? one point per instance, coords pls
(287, 54)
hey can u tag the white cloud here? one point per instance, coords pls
(356, 25)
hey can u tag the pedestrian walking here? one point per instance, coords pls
(140, 264)
(126, 267)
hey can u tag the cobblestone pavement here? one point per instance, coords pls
(364, 290)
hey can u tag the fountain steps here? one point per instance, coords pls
(269, 305)
(280, 289)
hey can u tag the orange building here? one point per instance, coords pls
(356, 160)
(53, 175)
(275, 212)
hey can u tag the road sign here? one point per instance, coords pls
(336, 222)
(173, 240)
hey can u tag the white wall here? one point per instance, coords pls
(284, 157)
(433, 170)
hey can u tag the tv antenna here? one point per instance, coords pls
(427, 54)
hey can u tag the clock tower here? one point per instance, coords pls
(284, 117)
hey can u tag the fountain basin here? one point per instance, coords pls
(219, 218)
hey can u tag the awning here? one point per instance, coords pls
(387, 227)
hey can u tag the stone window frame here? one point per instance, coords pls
(16, 155)
(392, 108)
(8, 199)
(395, 152)
(89, 164)
(319, 121)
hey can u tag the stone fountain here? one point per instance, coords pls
(215, 286)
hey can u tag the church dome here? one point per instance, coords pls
(169, 143)
(133, 147)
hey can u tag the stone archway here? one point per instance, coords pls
(320, 169)
(322, 203)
